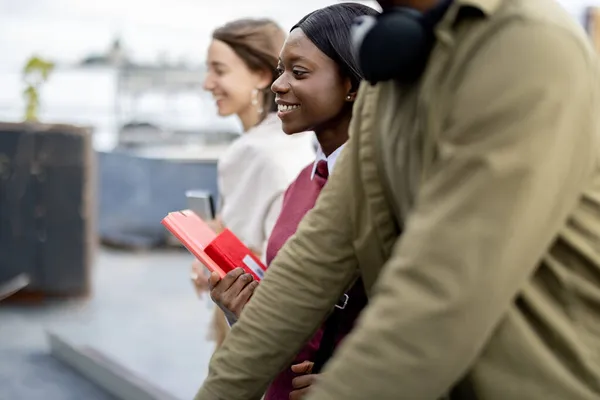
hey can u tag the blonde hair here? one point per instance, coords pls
(258, 43)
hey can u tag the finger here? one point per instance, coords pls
(246, 293)
(198, 289)
(205, 271)
(304, 367)
(197, 266)
(241, 282)
(195, 272)
(303, 381)
(216, 289)
(197, 275)
(231, 278)
(213, 280)
(228, 297)
(299, 394)
(200, 284)
(200, 269)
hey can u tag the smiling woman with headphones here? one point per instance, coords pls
(315, 91)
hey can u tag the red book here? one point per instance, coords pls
(219, 253)
(229, 253)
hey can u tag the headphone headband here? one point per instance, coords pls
(396, 44)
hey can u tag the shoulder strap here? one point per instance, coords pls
(330, 331)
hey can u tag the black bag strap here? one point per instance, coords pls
(330, 331)
(463, 390)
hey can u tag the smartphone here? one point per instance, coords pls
(201, 203)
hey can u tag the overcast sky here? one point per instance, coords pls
(67, 30)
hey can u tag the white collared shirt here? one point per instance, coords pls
(253, 175)
(330, 160)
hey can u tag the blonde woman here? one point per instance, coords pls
(258, 167)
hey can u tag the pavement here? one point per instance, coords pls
(143, 313)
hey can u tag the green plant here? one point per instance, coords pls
(35, 73)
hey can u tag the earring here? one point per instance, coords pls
(349, 97)
(255, 101)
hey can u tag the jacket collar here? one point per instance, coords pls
(488, 7)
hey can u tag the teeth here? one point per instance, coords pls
(282, 107)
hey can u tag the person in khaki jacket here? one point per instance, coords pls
(468, 201)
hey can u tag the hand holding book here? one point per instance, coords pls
(235, 269)
(232, 292)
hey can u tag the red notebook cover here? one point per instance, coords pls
(219, 253)
(195, 235)
(229, 252)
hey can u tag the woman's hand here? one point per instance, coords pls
(302, 383)
(199, 276)
(232, 292)
(216, 224)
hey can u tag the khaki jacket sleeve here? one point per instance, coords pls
(518, 149)
(301, 286)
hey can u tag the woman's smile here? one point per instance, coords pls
(284, 108)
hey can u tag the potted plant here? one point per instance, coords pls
(35, 73)
(46, 196)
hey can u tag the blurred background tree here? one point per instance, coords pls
(35, 73)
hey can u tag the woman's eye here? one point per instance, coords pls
(298, 73)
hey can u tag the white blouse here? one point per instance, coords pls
(253, 175)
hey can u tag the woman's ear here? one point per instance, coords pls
(265, 79)
(351, 90)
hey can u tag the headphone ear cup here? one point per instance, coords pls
(396, 47)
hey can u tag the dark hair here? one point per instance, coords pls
(330, 28)
(257, 42)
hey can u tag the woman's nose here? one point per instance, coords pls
(209, 83)
(280, 85)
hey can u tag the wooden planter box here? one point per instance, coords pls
(47, 207)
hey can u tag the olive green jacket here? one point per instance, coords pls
(470, 206)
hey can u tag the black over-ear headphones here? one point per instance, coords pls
(397, 43)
